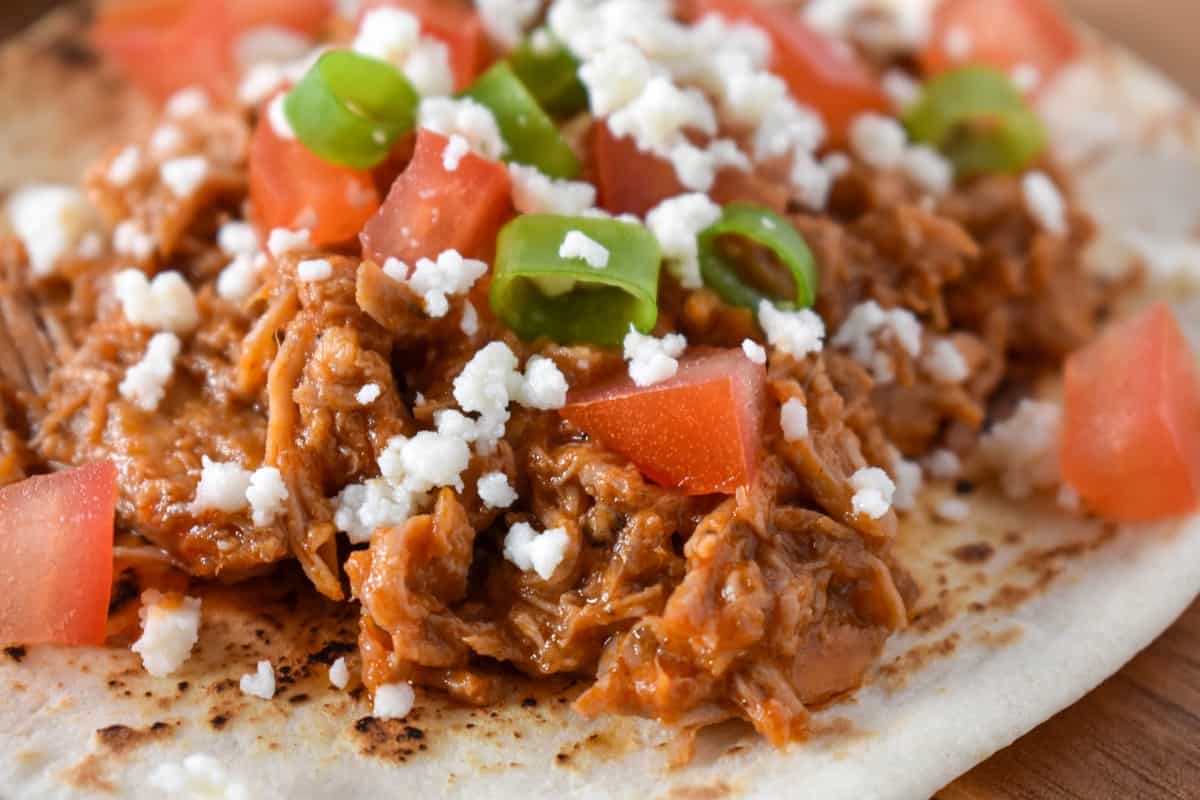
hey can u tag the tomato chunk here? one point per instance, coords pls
(302, 16)
(831, 80)
(168, 45)
(290, 187)
(699, 431)
(1131, 420)
(1002, 33)
(430, 210)
(457, 25)
(56, 544)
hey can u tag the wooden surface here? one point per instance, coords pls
(1136, 737)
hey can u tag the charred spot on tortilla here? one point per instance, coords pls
(16, 652)
(974, 553)
(119, 739)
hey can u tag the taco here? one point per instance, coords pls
(620, 398)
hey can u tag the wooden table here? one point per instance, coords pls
(1136, 737)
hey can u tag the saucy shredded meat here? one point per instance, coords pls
(758, 605)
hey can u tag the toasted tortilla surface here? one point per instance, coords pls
(1024, 608)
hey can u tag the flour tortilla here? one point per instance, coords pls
(1024, 608)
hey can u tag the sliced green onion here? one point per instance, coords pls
(752, 254)
(532, 137)
(979, 120)
(350, 109)
(551, 74)
(537, 293)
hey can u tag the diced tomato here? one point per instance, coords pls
(56, 549)
(1003, 34)
(168, 45)
(1131, 420)
(819, 73)
(457, 25)
(302, 16)
(699, 431)
(430, 209)
(628, 180)
(290, 187)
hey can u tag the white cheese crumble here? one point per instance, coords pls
(952, 509)
(222, 486)
(50, 221)
(878, 140)
(198, 777)
(469, 323)
(266, 493)
(796, 333)
(507, 20)
(928, 169)
(166, 303)
(472, 121)
(1045, 202)
(166, 140)
(170, 628)
(368, 394)
(428, 68)
(437, 281)
(187, 103)
(543, 386)
(812, 180)
(866, 324)
(793, 418)
(943, 464)
(360, 508)
(238, 239)
(901, 88)
(314, 270)
(495, 491)
(277, 117)
(125, 167)
(260, 82)
(873, 492)
(145, 383)
(754, 351)
(537, 193)
(676, 222)
(456, 147)
(909, 477)
(652, 360)
(260, 683)
(282, 241)
(540, 552)
(394, 35)
(1023, 449)
(1026, 77)
(958, 43)
(615, 77)
(339, 673)
(425, 461)
(577, 244)
(183, 176)
(945, 363)
(1068, 499)
(393, 701)
(131, 239)
(238, 280)
(271, 45)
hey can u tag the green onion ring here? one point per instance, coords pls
(350, 109)
(532, 137)
(538, 293)
(731, 277)
(979, 120)
(551, 74)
